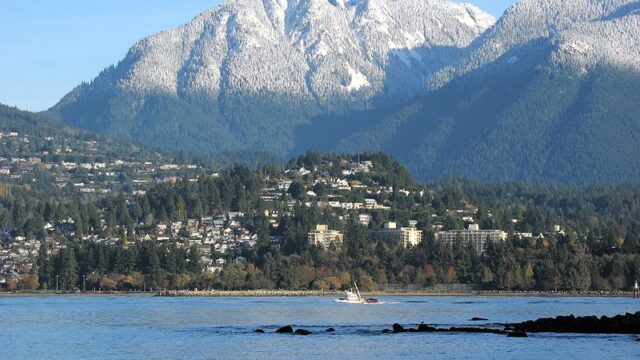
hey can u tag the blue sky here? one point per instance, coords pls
(48, 47)
(494, 7)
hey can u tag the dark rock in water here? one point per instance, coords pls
(302, 332)
(397, 328)
(425, 328)
(330, 330)
(620, 324)
(517, 334)
(479, 319)
(260, 331)
(285, 330)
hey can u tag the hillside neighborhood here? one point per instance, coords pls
(347, 190)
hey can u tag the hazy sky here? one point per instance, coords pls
(48, 47)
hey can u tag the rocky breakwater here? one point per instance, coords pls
(288, 329)
(424, 328)
(620, 324)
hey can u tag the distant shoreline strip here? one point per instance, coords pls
(245, 293)
(317, 293)
(320, 293)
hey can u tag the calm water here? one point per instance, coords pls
(222, 328)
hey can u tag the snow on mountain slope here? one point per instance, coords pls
(585, 33)
(302, 48)
(549, 94)
(244, 74)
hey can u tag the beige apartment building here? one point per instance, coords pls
(392, 235)
(473, 234)
(325, 238)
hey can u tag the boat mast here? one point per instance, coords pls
(357, 290)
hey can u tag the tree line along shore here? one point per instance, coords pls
(318, 293)
(298, 293)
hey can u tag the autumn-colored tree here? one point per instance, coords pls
(333, 282)
(365, 281)
(108, 284)
(320, 284)
(527, 277)
(450, 275)
(344, 279)
(429, 274)
(30, 281)
(92, 281)
(182, 281)
(127, 283)
(487, 276)
(305, 275)
(12, 284)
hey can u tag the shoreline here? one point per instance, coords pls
(321, 293)
(500, 293)
(8, 294)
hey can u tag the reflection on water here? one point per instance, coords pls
(221, 328)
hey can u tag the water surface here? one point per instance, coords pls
(122, 327)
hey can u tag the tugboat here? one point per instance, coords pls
(351, 297)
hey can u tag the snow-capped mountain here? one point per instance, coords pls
(247, 71)
(310, 49)
(584, 33)
(550, 93)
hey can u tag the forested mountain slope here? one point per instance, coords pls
(550, 94)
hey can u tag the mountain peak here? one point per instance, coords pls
(324, 56)
(305, 32)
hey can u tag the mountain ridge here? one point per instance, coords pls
(555, 108)
(540, 96)
(247, 70)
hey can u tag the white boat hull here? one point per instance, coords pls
(345, 301)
